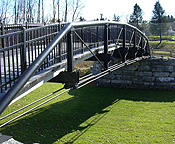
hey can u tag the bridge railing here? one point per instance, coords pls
(37, 49)
(19, 49)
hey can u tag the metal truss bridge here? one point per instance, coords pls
(39, 51)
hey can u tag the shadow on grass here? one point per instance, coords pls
(161, 45)
(51, 123)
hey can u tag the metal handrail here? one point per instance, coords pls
(9, 96)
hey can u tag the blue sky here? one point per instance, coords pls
(123, 8)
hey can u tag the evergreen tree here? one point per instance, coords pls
(136, 17)
(158, 23)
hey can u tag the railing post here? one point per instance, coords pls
(106, 34)
(82, 35)
(2, 33)
(97, 37)
(141, 43)
(124, 36)
(2, 43)
(70, 66)
(134, 39)
(27, 26)
(23, 51)
(147, 48)
(59, 45)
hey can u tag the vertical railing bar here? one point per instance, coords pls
(13, 63)
(49, 32)
(38, 42)
(124, 36)
(59, 49)
(147, 48)
(35, 43)
(141, 43)
(134, 38)
(17, 63)
(82, 45)
(31, 51)
(53, 52)
(23, 51)
(5, 78)
(97, 36)
(8, 59)
(46, 40)
(106, 36)
(2, 43)
(29, 45)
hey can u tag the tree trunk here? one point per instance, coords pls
(42, 11)
(65, 18)
(160, 33)
(38, 18)
(58, 3)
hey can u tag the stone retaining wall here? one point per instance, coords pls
(152, 73)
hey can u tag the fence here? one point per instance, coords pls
(20, 48)
(163, 53)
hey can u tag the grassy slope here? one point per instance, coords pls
(97, 115)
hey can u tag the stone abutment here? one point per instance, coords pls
(152, 73)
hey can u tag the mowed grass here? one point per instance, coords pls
(167, 43)
(96, 115)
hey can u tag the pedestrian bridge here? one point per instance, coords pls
(30, 57)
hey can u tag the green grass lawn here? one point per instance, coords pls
(166, 44)
(97, 115)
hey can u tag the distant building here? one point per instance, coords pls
(171, 32)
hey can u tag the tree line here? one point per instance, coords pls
(159, 23)
(34, 11)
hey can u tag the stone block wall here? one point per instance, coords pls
(152, 73)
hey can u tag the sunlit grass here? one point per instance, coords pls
(97, 115)
(166, 44)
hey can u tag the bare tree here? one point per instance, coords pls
(15, 11)
(66, 7)
(58, 4)
(38, 18)
(54, 11)
(24, 10)
(30, 11)
(5, 10)
(77, 6)
(42, 11)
